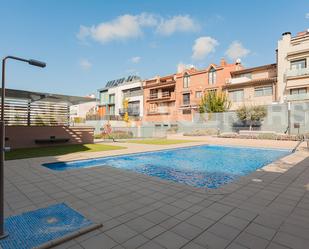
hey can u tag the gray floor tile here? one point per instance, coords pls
(121, 233)
(170, 240)
(187, 230)
(99, 240)
(135, 242)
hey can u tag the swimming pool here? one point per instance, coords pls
(206, 166)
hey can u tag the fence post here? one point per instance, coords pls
(28, 113)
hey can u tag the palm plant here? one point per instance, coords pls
(214, 101)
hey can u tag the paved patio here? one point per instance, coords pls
(267, 209)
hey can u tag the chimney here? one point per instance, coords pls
(223, 62)
(286, 36)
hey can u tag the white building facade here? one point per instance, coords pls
(293, 67)
(113, 95)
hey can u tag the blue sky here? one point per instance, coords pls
(86, 43)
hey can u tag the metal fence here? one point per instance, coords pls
(281, 118)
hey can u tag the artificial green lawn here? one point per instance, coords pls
(58, 150)
(160, 141)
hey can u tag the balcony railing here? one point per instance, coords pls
(133, 94)
(298, 97)
(237, 80)
(297, 72)
(131, 111)
(163, 95)
(158, 111)
(153, 96)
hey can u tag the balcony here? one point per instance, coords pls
(297, 97)
(238, 80)
(133, 94)
(158, 111)
(131, 111)
(297, 72)
(170, 96)
(156, 85)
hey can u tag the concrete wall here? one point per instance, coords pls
(24, 136)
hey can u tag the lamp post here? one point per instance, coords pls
(2, 135)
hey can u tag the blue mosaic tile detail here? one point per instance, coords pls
(37, 227)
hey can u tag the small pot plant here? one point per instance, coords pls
(251, 114)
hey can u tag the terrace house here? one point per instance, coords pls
(175, 98)
(252, 86)
(293, 67)
(112, 96)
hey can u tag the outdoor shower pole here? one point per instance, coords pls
(2, 141)
(2, 135)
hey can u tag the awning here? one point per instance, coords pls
(48, 97)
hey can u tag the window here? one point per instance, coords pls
(198, 94)
(212, 91)
(212, 76)
(298, 91)
(153, 94)
(186, 80)
(134, 107)
(186, 111)
(112, 98)
(244, 75)
(299, 64)
(236, 95)
(263, 91)
(111, 110)
(153, 107)
(186, 99)
(103, 98)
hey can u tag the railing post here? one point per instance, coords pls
(28, 113)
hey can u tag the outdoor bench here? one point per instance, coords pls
(51, 140)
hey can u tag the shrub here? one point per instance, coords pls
(251, 115)
(119, 135)
(205, 132)
(172, 130)
(268, 136)
(98, 136)
(214, 101)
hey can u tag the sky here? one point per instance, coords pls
(87, 43)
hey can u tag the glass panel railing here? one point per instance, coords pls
(297, 72)
(296, 97)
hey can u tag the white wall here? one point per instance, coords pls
(118, 91)
(82, 109)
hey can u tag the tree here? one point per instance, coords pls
(214, 101)
(251, 114)
(125, 104)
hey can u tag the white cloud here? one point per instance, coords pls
(85, 64)
(135, 59)
(307, 15)
(132, 26)
(181, 67)
(180, 23)
(236, 50)
(121, 28)
(203, 46)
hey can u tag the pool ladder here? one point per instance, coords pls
(303, 139)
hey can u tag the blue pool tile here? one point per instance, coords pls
(31, 229)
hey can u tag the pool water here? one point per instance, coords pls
(206, 166)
